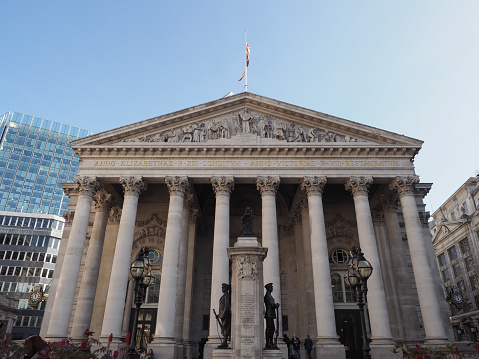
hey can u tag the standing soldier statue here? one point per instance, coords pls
(224, 315)
(270, 316)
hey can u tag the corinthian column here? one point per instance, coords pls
(428, 299)
(61, 312)
(115, 301)
(165, 321)
(81, 320)
(222, 186)
(268, 186)
(327, 343)
(378, 311)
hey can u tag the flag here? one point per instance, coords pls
(247, 61)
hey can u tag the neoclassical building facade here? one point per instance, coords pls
(179, 185)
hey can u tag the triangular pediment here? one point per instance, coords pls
(247, 119)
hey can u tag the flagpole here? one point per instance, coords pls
(245, 64)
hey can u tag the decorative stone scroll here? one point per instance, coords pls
(340, 227)
(87, 185)
(359, 186)
(268, 186)
(222, 185)
(153, 226)
(404, 185)
(313, 186)
(244, 123)
(133, 185)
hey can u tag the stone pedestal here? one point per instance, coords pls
(247, 297)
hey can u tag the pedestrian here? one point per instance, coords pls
(143, 354)
(308, 345)
(150, 354)
(296, 346)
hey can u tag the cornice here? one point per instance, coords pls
(293, 150)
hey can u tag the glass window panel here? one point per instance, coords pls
(337, 287)
(452, 253)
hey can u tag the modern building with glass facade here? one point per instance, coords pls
(35, 158)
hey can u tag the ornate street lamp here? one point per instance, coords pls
(359, 271)
(140, 270)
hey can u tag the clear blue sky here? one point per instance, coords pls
(409, 67)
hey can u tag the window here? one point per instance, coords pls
(339, 256)
(452, 253)
(337, 287)
(442, 260)
(469, 264)
(464, 208)
(457, 270)
(461, 286)
(153, 291)
(474, 282)
(464, 245)
(453, 215)
(445, 275)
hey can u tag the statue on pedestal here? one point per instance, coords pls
(224, 315)
(247, 221)
(270, 315)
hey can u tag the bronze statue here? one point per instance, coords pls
(224, 315)
(247, 221)
(270, 315)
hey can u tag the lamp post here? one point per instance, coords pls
(140, 270)
(359, 270)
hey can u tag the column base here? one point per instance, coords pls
(435, 341)
(222, 354)
(275, 353)
(329, 349)
(382, 351)
(210, 346)
(164, 348)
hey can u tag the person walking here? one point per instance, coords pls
(296, 346)
(308, 345)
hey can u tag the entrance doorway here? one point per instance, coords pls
(348, 326)
(145, 328)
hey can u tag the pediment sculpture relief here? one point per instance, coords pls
(245, 123)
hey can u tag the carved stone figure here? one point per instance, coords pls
(247, 221)
(188, 133)
(312, 136)
(271, 308)
(223, 129)
(224, 315)
(280, 132)
(246, 121)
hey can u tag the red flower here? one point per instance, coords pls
(127, 339)
(85, 333)
(115, 354)
(110, 338)
(83, 345)
(62, 343)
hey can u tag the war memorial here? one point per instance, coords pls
(316, 186)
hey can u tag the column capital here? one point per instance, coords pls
(102, 200)
(313, 186)
(222, 185)
(133, 185)
(177, 185)
(404, 185)
(359, 186)
(87, 185)
(389, 203)
(68, 215)
(268, 186)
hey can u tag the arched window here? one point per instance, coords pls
(339, 256)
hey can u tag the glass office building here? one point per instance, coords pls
(35, 158)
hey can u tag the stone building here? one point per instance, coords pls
(455, 230)
(179, 184)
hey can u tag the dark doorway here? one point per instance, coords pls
(348, 326)
(145, 328)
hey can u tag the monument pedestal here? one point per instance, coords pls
(247, 293)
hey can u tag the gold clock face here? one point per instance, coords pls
(35, 297)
